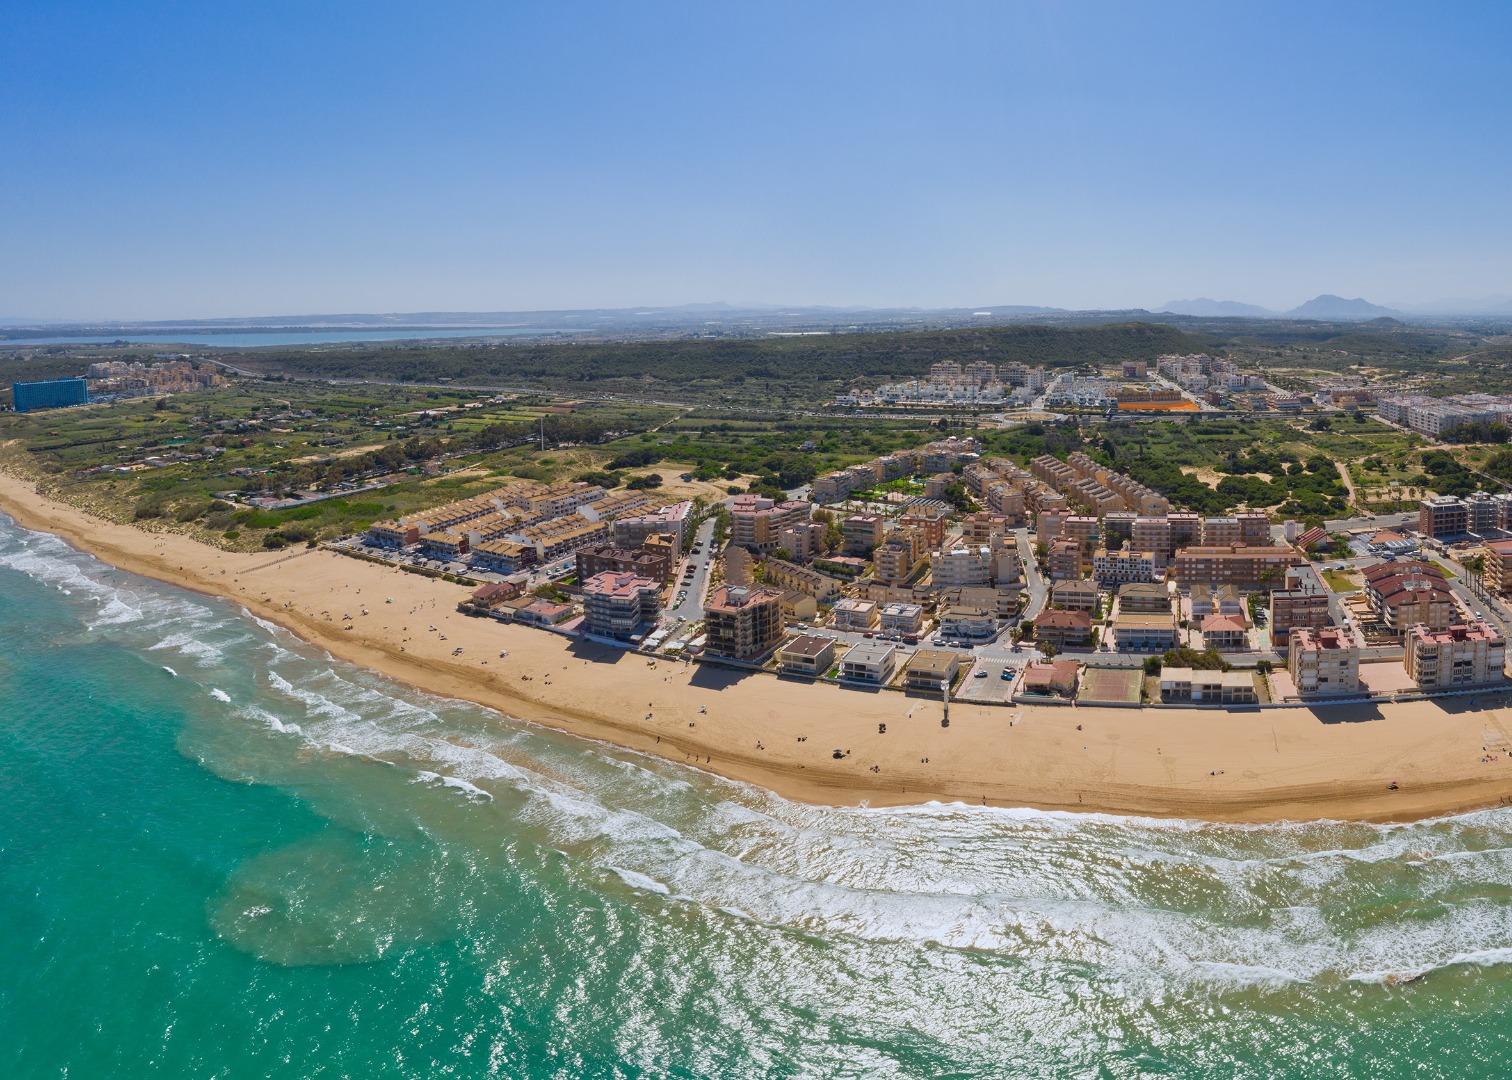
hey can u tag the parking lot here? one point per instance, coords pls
(985, 682)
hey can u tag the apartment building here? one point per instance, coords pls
(798, 607)
(872, 663)
(1222, 600)
(781, 574)
(1083, 527)
(1063, 629)
(617, 504)
(1186, 531)
(855, 616)
(1498, 576)
(1066, 560)
(620, 605)
(558, 500)
(1118, 529)
(968, 622)
(1295, 608)
(1008, 499)
(1144, 597)
(559, 537)
(929, 522)
(503, 556)
(1443, 515)
(1461, 655)
(1221, 532)
(931, 671)
(1050, 524)
(442, 544)
(809, 654)
(653, 563)
(742, 623)
(1246, 568)
(756, 522)
(631, 531)
(1406, 594)
(1114, 568)
(1073, 595)
(896, 558)
(897, 617)
(392, 534)
(862, 533)
(984, 527)
(802, 542)
(1323, 662)
(1137, 631)
(961, 566)
(1153, 534)
(1007, 566)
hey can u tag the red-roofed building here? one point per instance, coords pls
(1057, 677)
(1063, 628)
(620, 605)
(1225, 632)
(1315, 537)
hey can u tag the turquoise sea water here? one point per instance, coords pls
(223, 854)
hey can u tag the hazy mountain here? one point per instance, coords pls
(1335, 308)
(1217, 309)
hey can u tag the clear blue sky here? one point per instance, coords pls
(216, 158)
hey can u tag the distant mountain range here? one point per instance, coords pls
(1325, 308)
(1204, 308)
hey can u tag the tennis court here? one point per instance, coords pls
(1110, 686)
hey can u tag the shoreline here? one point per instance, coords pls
(1301, 763)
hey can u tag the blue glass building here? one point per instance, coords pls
(52, 394)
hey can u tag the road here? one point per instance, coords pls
(700, 560)
(1202, 406)
(1378, 521)
(1037, 588)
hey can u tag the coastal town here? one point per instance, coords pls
(945, 569)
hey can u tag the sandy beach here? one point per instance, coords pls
(1294, 763)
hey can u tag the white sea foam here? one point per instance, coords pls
(202, 652)
(640, 881)
(1151, 902)
(425, 776)
(219, 695)
(271, 721)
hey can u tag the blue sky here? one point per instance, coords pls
(200, 159)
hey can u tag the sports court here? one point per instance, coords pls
(1110, 686)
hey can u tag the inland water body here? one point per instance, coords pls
(223, 854)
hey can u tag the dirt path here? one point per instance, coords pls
(1354, 499)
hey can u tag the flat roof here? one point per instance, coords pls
(869, 652)
(937, 661)
(1149, 620)
(809, 645)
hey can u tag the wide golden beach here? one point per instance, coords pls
(1292, 763)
